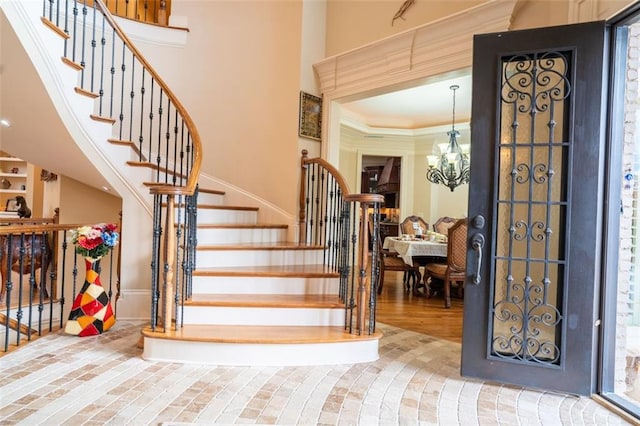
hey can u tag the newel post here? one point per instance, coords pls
(302, 211)
(168, 256)
(166, 250)
(365, 287)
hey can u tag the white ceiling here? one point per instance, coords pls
(422, 106)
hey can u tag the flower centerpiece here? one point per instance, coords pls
(95, 241)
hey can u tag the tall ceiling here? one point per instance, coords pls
(415, 108)
(37, 133)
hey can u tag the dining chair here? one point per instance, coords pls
(391, 261)
(409, 224)
(454, 271)
(442, 225)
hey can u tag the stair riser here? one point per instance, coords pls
(222, 216)
(214, 315)
(241, 235)
(264, 285)
(210, 199)
(254, 354)
(218, 258)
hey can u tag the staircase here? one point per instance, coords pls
(247, 296)
(257, 299)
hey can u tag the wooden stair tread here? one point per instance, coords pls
(260, 334)
(259, 246)
(211, 191)
(13, 325)
(267, 300)
(129, 144)
(226, 207)
(103, 119)
(242, 226)
(156, 167)
(304, 271)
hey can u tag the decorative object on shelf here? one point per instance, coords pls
(451, 167)
(12, 205)
(15, 170)
(6, 183)
(91, 313)
(23, 209)
(310, 124)
(47, 176)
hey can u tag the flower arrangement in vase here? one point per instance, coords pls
(95, 241)
(91, 312)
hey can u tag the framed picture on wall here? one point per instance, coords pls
(310, 123)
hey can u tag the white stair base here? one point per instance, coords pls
(209, 198)
(265, 285)
(241, 235)
(257, 257)
(272, 316)
(260, 354)
(220, 216)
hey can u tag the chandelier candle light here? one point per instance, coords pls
(451, 167)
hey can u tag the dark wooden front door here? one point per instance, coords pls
(535, 207)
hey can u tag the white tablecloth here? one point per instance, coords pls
(408, 249)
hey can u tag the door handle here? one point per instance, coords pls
(477, 243)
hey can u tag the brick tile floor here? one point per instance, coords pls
(102, 380)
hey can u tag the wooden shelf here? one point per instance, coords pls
(19, 182)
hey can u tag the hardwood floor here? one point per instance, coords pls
(402, 309)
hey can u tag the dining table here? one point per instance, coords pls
(410, 250)
(417, 252)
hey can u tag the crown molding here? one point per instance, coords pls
(434, 48)
(368, 131)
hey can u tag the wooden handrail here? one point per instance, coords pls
(193, 131)
(344, 187)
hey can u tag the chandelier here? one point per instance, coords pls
(451, 167)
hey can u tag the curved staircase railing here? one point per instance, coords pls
(147, 118)
(332, 217)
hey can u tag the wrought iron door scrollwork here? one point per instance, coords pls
(528, 321)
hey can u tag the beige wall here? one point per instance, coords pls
(313, 48)
(238, 75)
(36, 188)
(84, 204)
(351, 24)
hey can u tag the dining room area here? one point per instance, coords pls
(413, 236)
(421, 277)
(404, 309)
